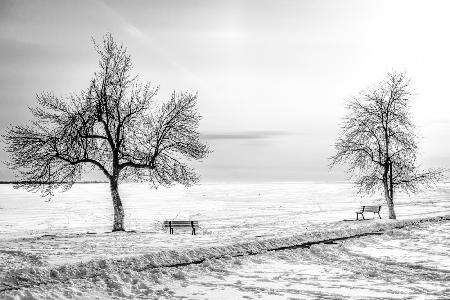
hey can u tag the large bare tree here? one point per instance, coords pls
(378, 141)
(114, 126)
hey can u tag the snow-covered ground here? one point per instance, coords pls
(218, 207)
(403, 260)
(410, 263)
(45, 250)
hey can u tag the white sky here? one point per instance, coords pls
(272, 76)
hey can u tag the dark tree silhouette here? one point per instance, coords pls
(378, 142)
(114, 126)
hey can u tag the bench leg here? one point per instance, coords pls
(357, 216)
(171, 231)
(193, 231)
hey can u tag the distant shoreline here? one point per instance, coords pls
(204, 183)
(38, 182)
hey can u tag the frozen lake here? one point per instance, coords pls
(88, 207)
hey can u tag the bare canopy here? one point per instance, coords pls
(114, 126)
(378, 141)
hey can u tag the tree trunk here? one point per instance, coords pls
(390, 204)
(389, 190)
(118, 208)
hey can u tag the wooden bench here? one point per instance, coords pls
(180, 224)
(375, 209)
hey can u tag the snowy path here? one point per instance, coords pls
(390, 266)
(359, 266)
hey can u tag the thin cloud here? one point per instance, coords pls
(245, 135)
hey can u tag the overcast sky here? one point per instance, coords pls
(272, 76)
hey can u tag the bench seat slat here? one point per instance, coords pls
(187, 226)
(181, 223)
(370, 208)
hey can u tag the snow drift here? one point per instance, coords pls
(102, 268)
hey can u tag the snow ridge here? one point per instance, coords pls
(36, 276)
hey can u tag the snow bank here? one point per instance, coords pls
(103, 268)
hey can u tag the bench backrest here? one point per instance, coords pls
(371, 208)
(179, 223)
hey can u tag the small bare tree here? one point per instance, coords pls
(378, 142)
(114, 126)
